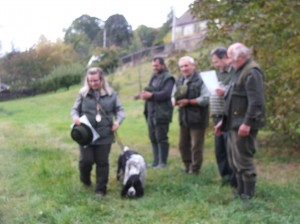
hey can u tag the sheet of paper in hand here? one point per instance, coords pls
(210, 80)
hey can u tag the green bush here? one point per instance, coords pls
(61, 77)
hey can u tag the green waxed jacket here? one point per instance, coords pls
(163, 108)
(111, 109)
(245, 100)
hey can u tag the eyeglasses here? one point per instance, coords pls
(94, 80)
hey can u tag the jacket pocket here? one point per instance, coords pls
(194, 115)
(239, 105)
(164, 112)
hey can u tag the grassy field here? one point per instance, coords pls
(39, 180)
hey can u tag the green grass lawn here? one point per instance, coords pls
(39, 180)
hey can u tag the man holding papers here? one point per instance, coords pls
(220, 61)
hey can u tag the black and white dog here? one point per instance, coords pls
(132, 167)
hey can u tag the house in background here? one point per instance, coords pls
(189, 32)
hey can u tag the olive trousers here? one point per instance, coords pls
(241, 152)
(191, 143)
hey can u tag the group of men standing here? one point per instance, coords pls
(237, 109)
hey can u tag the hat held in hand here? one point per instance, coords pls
(82, 134)
(181, 92)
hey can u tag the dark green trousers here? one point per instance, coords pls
(158, 134)
(99, 155)
(241, 152)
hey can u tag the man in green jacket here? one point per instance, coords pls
(159, 110)
(244, 115)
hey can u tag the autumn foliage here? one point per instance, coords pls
(271, 29)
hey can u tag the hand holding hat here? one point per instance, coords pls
(83, 132)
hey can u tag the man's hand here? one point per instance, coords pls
(183, 102)
(76, 121)
(220, 91)
(244, 130)
(145, 95)
(115, 126)
(217, 128)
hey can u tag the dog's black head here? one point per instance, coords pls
(133, 187)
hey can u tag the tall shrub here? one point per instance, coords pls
(63, 76)
(271, 29)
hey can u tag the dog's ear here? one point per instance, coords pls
(118, 176)
(119, 170)
(139, 189)
(124, 190)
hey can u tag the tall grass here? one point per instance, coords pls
(39, 180)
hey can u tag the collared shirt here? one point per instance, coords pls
(217, 102)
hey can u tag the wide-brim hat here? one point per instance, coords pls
(82, 134)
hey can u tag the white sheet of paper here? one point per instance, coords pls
(84, 120)
(210, 80)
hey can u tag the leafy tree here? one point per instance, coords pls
(21, 69)
(15, 68)
(86, 24)
(82, 33)
(136, 43)
(164, 30)
(271, 29)
(146, 35)
(107, 59)
(118, 31)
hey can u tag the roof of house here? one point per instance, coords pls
(186, 18)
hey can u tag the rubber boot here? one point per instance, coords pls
(249, 189)
(240, 184)
(239, 190)
(163, 155)
(155, 154)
